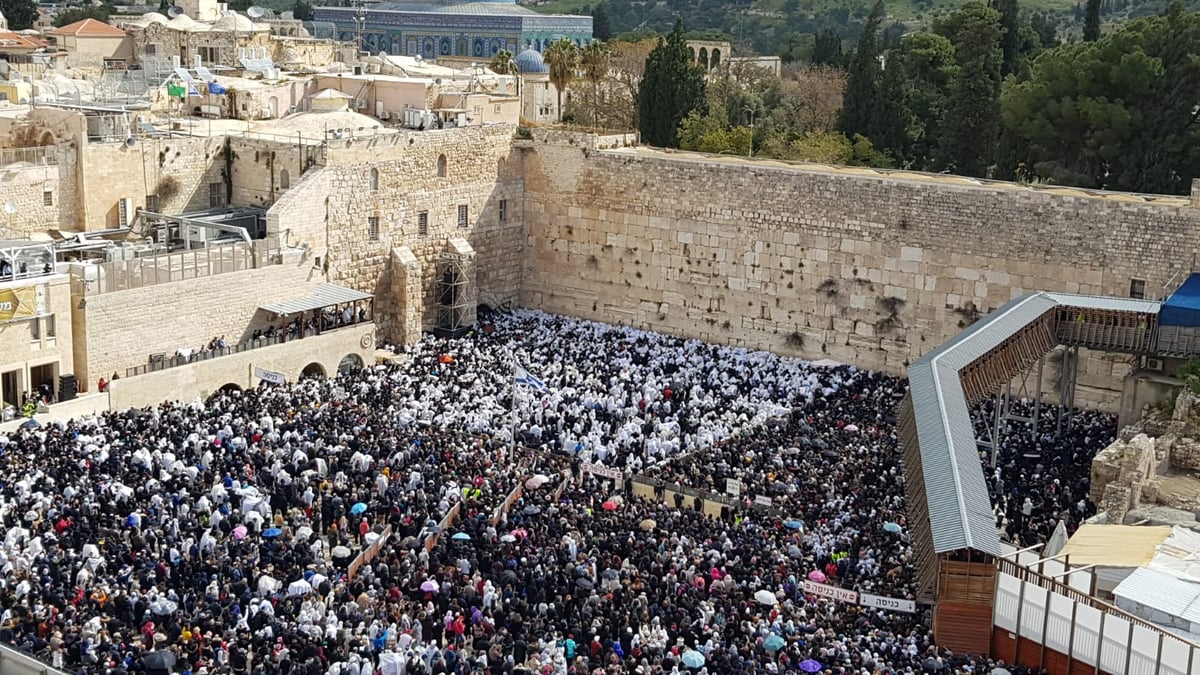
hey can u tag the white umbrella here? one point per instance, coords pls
(765, 597)
(299, 587)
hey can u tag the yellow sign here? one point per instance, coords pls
(18, 303)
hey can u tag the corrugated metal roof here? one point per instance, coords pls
(960, 508)
(325, 295)
(1160, 591)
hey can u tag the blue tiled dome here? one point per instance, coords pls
(530, 61)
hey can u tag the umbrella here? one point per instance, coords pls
(461, 536)
(358, 508)
(810, 666)
(507, 538)
(30, 424)
(239, 532)
(531, 510)
(693, 659)
(585, 584)
(609, 505)
(894, 528)
(273, 532)
(162, 606)
(430, 586)
(765, 597)
(340, 552)
(794, 525)
(159, 659)
(774, 643)
(648, 524)
(817, 576)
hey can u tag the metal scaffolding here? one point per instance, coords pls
(455, 315)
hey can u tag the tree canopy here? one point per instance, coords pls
(671, 87)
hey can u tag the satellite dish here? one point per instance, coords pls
(256, 12)
(174, 12)
(10, 208)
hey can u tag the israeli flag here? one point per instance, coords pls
(523, 377)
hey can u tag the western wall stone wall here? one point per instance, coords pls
(482, 173)
(121, 329)
(854, 265)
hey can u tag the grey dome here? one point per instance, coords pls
(530, 61)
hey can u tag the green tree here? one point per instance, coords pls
(1118, 113)
(827, 50)
(21, 14)
(1091, 21)
(503, 63)
(601, 24)
(927, 67)
(562, 56)
(972, 123)
(302, 11)
(862, 87)
(70, 16)
(1010, 42)
(671, 87)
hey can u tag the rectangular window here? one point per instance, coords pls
(47, 198)
(423, 223)
(504, 210)
(373, 228)
(50, 326)
(35, 330)
(216, 195)
(462, 216)
(152, 203)
(1137, 288)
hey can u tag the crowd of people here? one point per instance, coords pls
(220, 536)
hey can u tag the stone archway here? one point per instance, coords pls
(349, 362)
(313, 370)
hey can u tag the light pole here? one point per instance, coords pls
(751, 110)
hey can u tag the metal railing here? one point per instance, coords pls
(123, 275)
(46, 155)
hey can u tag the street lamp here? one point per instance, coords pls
(752, 110)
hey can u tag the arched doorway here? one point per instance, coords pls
(313, 370)
(350, 362)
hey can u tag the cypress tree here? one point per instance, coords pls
(863, 81)
(672, 86)
(1091, 21)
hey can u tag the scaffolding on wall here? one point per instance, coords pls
(456, 316)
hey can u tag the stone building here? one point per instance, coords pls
(453, 28)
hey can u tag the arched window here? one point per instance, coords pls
(374, 179)
(441, 166)
(285, 180)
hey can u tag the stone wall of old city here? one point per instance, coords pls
(854, 265)
(482, 173)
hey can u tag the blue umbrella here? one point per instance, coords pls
(358, 508)
(894, 528)
(794, 525)
(461, 536)
(273, 532)
(810, 666)
(774, 643)
(693, 659)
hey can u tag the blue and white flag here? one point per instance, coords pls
(523, 377)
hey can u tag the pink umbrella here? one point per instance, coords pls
(817, 576)
(239, 532)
